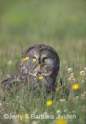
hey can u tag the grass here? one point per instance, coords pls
(71, 56)
(61, 24)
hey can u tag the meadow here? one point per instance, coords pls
(61, 24)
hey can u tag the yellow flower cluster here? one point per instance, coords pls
(40, 77)
(75, 86)
(49, 102)
(61, 121)
(25, 59)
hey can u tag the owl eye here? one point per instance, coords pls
(34, 59)
(44, 59)
(48, 60)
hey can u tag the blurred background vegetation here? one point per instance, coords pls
(60, 23)
(40, 20)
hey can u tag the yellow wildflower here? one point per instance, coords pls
(49, 102)
(61, 121)
(25, 59)
(75, 86)
(40, 77)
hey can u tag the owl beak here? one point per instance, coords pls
(40, 65)
(39, 76)
(39, 69)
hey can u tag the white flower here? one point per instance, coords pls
(70, 70)
(82, 73)
(72, 79)
(58, 111)
(62, 100)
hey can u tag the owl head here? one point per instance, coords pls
(40, 62)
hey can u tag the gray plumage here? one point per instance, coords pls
(38, 67)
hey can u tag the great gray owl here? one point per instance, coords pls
(38, 67)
